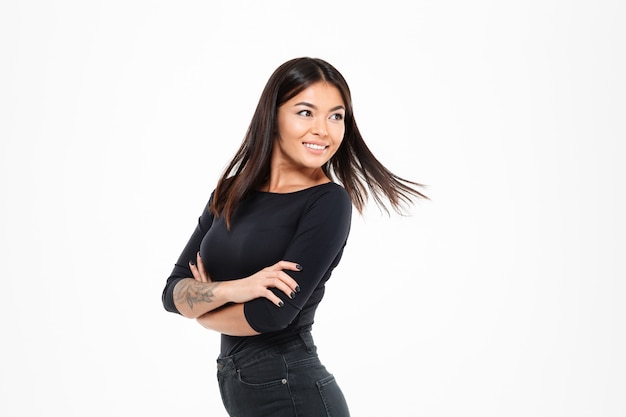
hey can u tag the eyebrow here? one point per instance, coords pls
(314, 107)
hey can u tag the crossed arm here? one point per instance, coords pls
(219, 305)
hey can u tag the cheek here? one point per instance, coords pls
(290, 130)
(338, 134)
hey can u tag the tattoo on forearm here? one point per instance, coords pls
(193, 292)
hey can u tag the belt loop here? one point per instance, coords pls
(306, 337)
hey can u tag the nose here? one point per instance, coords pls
(319, 127)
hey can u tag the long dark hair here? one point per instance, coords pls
(354, 165)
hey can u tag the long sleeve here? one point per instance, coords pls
(317, 245)
(181, 267)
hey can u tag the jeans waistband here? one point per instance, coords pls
(303, 338)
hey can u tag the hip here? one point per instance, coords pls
(286, 379)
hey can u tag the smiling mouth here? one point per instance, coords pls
(315, 147)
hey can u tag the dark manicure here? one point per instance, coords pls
(292, 295)
(281, 304)
(299, 267)
(297, 288)
(191, 263)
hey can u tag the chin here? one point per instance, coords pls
(315, 164)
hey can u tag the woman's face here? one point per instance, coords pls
(310, 127)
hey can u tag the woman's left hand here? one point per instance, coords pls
(198, 271)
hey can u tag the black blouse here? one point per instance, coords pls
(309, 227)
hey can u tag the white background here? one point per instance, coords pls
(502, 296)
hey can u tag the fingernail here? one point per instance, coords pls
(281, 304)
(191, 263)
(297, 288)
(299, 267)
(292, 295)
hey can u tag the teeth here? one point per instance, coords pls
(313, 146)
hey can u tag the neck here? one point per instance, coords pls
(284, 180)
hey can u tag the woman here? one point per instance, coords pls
(273, 231)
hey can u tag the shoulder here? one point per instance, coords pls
(329, 190)
(329, 196)
(326, 212)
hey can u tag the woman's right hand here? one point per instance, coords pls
(259, 284)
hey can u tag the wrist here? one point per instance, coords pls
(223, 291)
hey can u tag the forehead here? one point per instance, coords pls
(320, 93)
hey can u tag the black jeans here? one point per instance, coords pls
(284, 380)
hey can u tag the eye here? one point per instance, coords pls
(305, 113)
(337, 116)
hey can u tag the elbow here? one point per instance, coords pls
(171, 308)
(265, 317)
(167, 298)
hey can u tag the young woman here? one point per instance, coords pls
(270, 236)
